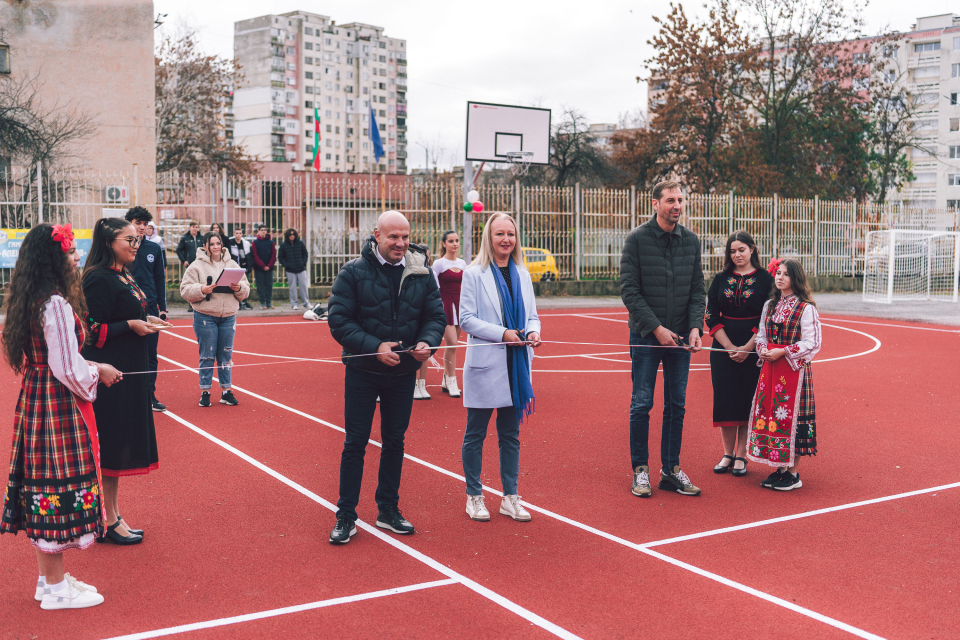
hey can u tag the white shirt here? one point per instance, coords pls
(63, 356)
(803, 351)
(402, 263)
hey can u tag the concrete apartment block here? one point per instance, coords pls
(95, 56)
(298, 61)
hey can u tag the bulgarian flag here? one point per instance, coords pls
(316, 139)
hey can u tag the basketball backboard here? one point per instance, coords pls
(495, 130)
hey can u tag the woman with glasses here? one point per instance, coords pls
(118, 325)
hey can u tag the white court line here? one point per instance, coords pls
(556, 516)
(271, 613)
(495, 597)
(896, 326)
(876, 342)
(797, 516)
(256, 324)
(578, 315)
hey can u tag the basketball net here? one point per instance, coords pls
(519, 162)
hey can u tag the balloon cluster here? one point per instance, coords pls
(473, 202)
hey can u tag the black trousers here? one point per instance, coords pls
(264, 286)
(361, 389)
(153, 341)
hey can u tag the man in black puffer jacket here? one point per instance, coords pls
(385, 300)
(661, 284)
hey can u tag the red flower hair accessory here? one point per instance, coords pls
(772, 267)
(63, 235)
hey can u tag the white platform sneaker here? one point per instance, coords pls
(44, 589)
(476, 509)
(73, 596)
(420, 390)
(511, 507)
(449, 385)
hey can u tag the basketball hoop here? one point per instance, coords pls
(519, 162)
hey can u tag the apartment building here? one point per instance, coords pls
(296, 62)
(929, 64)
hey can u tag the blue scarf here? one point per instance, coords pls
(515, 317)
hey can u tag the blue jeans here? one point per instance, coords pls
(293, 279)
(508, 435)
(215, 336)
(643, 372)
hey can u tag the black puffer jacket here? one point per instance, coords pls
(292, 256)
(362, 312)
(661, 279)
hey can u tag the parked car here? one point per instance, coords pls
(541, 264)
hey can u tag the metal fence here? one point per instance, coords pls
(583, 229)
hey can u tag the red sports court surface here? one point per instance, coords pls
(239, 513)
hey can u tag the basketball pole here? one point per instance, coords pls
(467, 241)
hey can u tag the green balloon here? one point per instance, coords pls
(468, 206)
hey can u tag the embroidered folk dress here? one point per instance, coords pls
(734, 304)
(449, 282)
(796, 324)
(128, 441)
(53, 493)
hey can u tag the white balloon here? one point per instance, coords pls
(472, 195)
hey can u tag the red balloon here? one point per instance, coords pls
(477, 206)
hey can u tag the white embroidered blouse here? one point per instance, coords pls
(799, 353)
(63, 355)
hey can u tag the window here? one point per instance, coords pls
(926, 46)
(308, 31)
(953, 98)
(309, 75)
(291, 81)
(926, 72)
(383, 45)
(383, 58)
(383, 127)
(329, 144)
(861, 58)
(329, 42)
(337, 130)
(954, 124)
(955, 70)
(308, 133)
(329, 99)
(349, 144)
(291, 140)
(861, 84)
(308, 89)
(329, 128)
(383, 99)
(308, 60)
(829, 62)
(291, 51)
(953, 179)
(309, 119)
(4, 59)
(328, 155)
(328, 113)
(308, 104)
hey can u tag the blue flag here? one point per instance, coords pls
(375, 137)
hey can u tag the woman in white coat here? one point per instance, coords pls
(497, 306)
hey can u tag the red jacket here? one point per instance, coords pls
(262, 246)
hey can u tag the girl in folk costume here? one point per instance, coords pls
(449, 272)
(783, 416)
(54, 488)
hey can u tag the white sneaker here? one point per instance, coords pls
(72, 597)
(511, 507)
(295, 307)
(450, 386)
(420, 390)
(476, 509)
(42, 590)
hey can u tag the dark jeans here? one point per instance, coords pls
(361, 389)
(508, 436)
(643, 372)
(264, 286)
(153, 341)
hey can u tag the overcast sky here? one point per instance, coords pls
(554, 54)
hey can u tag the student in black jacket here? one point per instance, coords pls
(148, 269)
(292, 256)
(240, 250)
(189, 243)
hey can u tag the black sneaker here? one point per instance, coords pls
(677, 481)
(393, 521)
(205, 399)
(787, 482)
(772, 478)
(246, 305)
(156, 405)
(227, 398)
(343, 530)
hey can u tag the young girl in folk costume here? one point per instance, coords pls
(783, 416)
(54, 488)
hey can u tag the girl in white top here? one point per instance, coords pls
(449, 272)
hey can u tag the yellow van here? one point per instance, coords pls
(541, 264)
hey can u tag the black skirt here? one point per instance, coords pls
(734, 383)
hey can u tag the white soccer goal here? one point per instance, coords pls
(911, 265)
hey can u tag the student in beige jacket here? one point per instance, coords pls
(215, 314)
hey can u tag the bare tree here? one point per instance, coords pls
(574, 153)
(191, 93)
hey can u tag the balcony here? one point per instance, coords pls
(278, 129)
(401, 60)
(277, 84)
(402, 110)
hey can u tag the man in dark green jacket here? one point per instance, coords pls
(661, 283)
